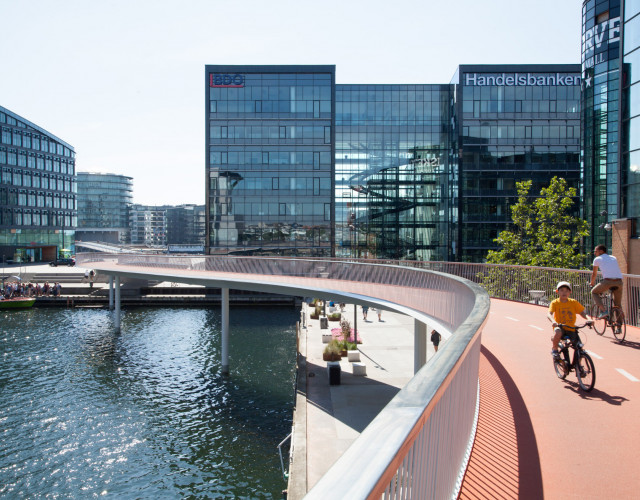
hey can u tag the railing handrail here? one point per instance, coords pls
(449, 380)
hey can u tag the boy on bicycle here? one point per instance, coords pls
(563, 311)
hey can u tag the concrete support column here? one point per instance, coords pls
(110, 293)
(224, 294)
(419, 345)
(117, 319)
(355, 322)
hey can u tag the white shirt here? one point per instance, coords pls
(608, 265)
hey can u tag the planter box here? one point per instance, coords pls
(330, 357)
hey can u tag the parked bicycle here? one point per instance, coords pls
(581, 364)
(614, 319)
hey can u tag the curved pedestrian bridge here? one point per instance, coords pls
(434, 415)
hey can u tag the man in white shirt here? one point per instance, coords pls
(612, 277)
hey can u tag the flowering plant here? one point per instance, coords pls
(337, 333)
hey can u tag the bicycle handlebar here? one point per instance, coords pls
(577, 327)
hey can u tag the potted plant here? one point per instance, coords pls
(334, 316)
(332, 351)
(316, 313)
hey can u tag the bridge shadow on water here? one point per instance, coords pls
(505, 445)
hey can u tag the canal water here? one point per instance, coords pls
(86, 412)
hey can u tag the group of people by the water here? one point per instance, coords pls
(18, 289)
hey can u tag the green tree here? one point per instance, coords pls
(543, 233)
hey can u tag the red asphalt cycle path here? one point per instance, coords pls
(539, 436)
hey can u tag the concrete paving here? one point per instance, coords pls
(337, 414)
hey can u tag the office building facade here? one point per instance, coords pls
(513, 123)
(600, 116)
(148, 225)
(103, 207)
(299, 165)
(394, 183)
(270, 149)
(630, 115)
(38, 213)
(186, 225)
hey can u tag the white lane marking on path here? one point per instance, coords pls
(512, 319)
(627, 374)
(595, 355)
(536, 327)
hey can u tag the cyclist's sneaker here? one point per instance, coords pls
(555, 354)
(603, 315)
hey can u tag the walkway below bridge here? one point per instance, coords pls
(537, 436)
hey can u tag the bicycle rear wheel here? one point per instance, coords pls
(618, 324)
(599, 325)
(586, 372)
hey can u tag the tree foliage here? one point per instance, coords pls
(543, 233)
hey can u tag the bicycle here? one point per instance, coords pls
(614, 319)
(581, 364)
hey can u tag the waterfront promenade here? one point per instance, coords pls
(537, 436)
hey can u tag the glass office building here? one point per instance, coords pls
(600, 117)
(630, 116)
(513, 123)
(37, 192)
(103, 207)
(393, 181)
(270, 159)
(299, 165)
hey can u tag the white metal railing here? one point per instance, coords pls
(419, 444)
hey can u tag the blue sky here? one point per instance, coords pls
(122, 80)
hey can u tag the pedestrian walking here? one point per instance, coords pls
(435, 339)
(365, 310)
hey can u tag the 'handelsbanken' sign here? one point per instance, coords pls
(517, 79)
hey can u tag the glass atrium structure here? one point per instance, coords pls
(103, 207)
(37, 192)
(394, 184)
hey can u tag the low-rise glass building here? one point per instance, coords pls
(103, 207)
(38, 213)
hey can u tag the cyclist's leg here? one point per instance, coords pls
(617, 293)
(557, 334)
(595, 295)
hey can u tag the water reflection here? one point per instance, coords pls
(145, 412)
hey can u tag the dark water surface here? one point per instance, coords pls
(86, 412)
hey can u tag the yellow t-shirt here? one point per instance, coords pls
(565, 312)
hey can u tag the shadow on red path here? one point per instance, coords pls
(505, 462)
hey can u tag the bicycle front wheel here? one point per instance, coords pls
(586, 372)
(599, 325)
(560, 367)
(618, 324)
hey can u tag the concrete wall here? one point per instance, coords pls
(625, 247)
